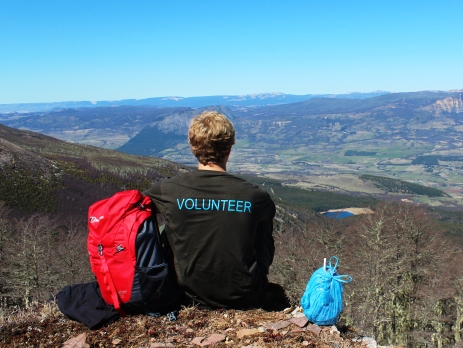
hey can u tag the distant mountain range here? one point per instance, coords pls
(152, 130)
(247, 100)
(424, 118)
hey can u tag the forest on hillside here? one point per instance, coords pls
(400, 186)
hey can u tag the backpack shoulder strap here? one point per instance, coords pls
(109, 280)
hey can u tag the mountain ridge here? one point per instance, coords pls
(257, 99)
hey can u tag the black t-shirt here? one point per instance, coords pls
(213, 220)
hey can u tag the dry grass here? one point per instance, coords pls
(35, 312)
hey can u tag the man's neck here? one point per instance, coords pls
(218, 167)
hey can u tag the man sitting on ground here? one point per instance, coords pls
(218, 225)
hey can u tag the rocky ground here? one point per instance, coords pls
(42, 325)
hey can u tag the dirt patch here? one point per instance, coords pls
(44, 326)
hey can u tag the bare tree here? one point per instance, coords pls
(292, 263)
(458, 298)
(70, 255)
(328, 232)
(43, 256)
(300, 251)
(395, 268)
(4, 226)
(28, 255)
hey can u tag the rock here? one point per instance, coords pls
(77, 342)
(299, 315)
(173, 338)
(287, 310)
(246, 332)
(161, 345)
(277, 326)
(299, 321)
(334, 331)
(221, 324)
(198, 340)
(212, 339)
(369, 342)
(297, 310)
(116, 341)
(215, 338)
(299, 330)
(314, 328)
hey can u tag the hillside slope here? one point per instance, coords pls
(43, 174)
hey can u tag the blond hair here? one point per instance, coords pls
(211, 136)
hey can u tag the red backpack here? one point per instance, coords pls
(128, 255)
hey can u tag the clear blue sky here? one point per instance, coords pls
(68, 50)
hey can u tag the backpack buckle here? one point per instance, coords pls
(172, 316)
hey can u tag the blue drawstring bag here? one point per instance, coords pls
(322, 299)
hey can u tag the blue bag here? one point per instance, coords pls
(322, 299)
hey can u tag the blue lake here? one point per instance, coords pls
(337, 214)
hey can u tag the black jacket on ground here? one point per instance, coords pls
(84, 303)
(220, 229)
